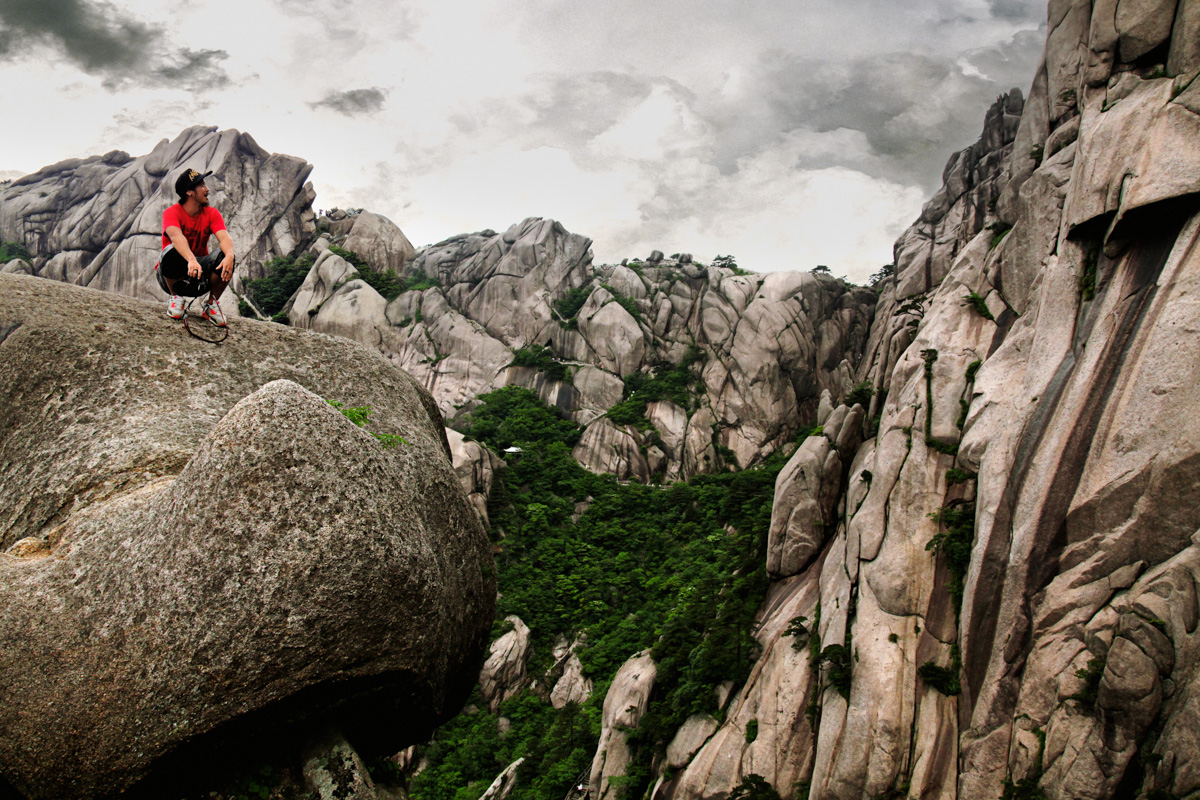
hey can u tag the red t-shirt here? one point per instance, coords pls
(195, 229)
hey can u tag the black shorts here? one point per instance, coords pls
(174, 266)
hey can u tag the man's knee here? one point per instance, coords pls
(172, 264)
(212, 261)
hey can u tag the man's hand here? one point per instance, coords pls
(193, 267)
(227, 251)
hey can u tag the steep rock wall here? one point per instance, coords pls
(1014, 564)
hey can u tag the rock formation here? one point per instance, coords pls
(97, 222)
(503, 674)
(504, 783)
(985, 574)
(572, 686)
(477, 469)
(1011, 556)
(376, 238)
(624, 705)
(193, 563)
(333, 770)
(762, 348)
(765, 347)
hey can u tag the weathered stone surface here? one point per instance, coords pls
(333, 583)
(1024, 251)
(615, 449)
(1184, 56)
(1142, 25)
(572, 687)
(333, 770)
(776, 696)
(1072, 434)
(765, 346)
(503, 674)
(1139, 152)
(690, 738)
(477, 469)
(97, 222)
(504, 783)
(380, 242)
(328, 273)
(974, 179)
(1065, 57)
(627, 699)
(1102, 42)
(806, 493)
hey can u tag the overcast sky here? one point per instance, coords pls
(788, 133)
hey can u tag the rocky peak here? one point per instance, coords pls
(490, 297)
(972, 184)
(533, 290)
(97, 222)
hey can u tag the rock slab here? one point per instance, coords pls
(265, 578)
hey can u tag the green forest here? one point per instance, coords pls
(677, 568)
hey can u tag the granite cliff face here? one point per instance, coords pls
(1011, 557)
(203, 561)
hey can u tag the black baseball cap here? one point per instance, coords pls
(189, 180)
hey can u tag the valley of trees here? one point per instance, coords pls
(678, 568)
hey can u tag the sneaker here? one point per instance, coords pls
(213, 313)
(175, 307)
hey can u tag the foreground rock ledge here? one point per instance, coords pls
(294, 577)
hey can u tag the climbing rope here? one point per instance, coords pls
(205, 329)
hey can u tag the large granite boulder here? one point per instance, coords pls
(97, 222)
(204, 557)
(379, 241)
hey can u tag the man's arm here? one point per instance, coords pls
(226, 242)
(181, 246)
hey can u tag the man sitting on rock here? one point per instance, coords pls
(187, 226)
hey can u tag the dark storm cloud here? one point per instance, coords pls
(102, 41)
(194, 69)
(92, 35)
(913, 109)
(353, 102)
(903, 102)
